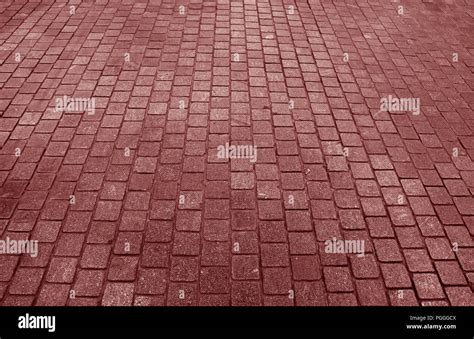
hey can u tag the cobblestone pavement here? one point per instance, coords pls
(257, 152)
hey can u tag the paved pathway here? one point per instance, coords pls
(113, 114)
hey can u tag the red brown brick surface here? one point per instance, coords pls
(131, 204)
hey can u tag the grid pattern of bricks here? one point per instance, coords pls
(131, 205)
